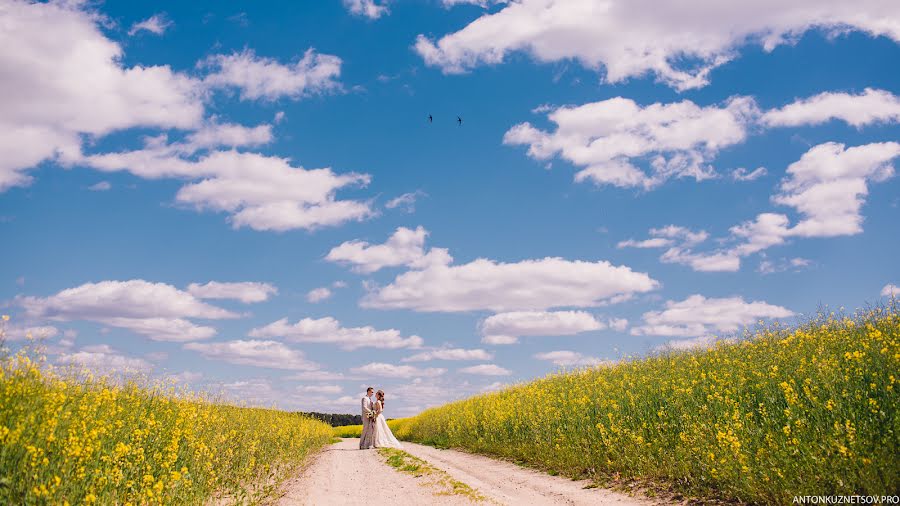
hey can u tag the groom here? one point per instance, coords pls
(367, 439)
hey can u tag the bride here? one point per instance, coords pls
(384, 438)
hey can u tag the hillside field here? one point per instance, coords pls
(804, 411)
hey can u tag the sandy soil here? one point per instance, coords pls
(341, 473)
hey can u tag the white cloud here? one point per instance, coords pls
(828, 185)
(404, 247)
(618, 324)
(397, 371)
(564, 358)
(156, 24)
(246, 292)
(699, 316)
(73, 79)
(679, 243)
(258, 353)
(742, 174)
(318, 294)
(450, 354)
(162, 329)
(499, 328)
(265, 78)
(328, 330)
(480, 3)
(486, 370)
(128, 299)
(607, 138)
(414, 395)
(38, 332)
(317, 376)
(499, 339)
(782, 265)
(258, 191)
(677, 43)
(407, 201)
(214, 134)
(319, 389)
(485, 284)
(870, 106)
(102, 186)
(184, 377)
(667, 236)
(719, 261)
(69, 81)
(890, 290)
(156, 310)
(104, 360)
(367, 8)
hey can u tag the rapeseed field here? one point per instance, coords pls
(68, 438)
(810, 410)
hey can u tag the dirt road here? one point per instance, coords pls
(344, 475)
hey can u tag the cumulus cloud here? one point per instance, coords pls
(870, 106)
(679, 243)
(258, 191)
(38, 332)
(827, 188)
(404, 247)
(565, 358)
(397, 371)
(70, 81)
(699, 316)
(506, 328)
(156, 24)
(156, 310)
(328, 330)
(679, 43)
(70, 87)
(104, 360)
(318, 376)
(318, 294)
(485, 284)
(618, 324)
(486, 370)
(450, 354)
(829, 183)
(258, 353)
(259, 77)
(890, 290)
(246, 292)
(367, 8)
(612, 138)
(321, 389)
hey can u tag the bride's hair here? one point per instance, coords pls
(380, 395)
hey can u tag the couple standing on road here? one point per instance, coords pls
(375, 433)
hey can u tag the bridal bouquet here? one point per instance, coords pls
(371, 415)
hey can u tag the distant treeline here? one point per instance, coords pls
(337, 420)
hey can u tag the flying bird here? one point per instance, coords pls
(430, 119)
(459, 120)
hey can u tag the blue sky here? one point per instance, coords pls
(622, 180)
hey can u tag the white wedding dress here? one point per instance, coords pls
(384, 438)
